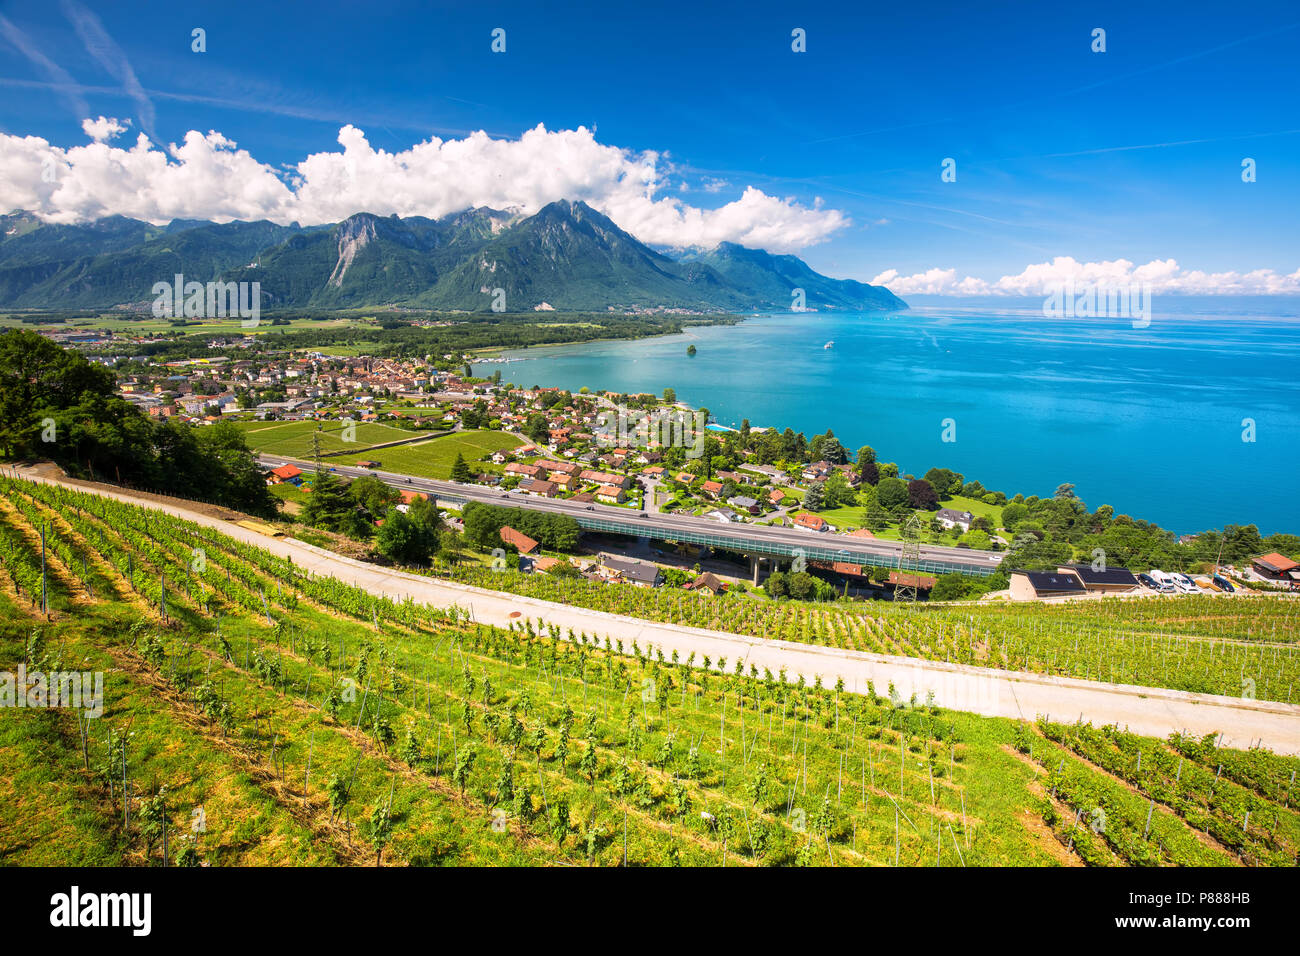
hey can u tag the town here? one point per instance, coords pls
(434, 418)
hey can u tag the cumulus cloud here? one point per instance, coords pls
(104, 128)
(208, 176)
(1160, 275)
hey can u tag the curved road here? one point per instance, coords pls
(1145, 710)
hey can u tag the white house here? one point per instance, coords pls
(954, 519)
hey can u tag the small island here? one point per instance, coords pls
(690, 349)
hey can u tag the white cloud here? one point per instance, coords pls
(106, 127)
(1162, 275)
(209, 177)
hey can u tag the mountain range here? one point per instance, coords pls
(566, 257)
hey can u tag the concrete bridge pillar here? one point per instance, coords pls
(754, 563)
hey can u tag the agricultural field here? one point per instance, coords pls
(1204, 644)
(254, 714)
(295, 439)
(146, 324)
(434, 458)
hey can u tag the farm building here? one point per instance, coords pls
(1104, 580)
(708, 583)
(905, 579)
(1035, 585)
(1276, 567)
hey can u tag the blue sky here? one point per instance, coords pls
(1130, 154)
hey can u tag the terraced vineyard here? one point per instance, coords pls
(1234, 647)
(256, 714)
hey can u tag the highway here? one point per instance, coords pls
(745, 538)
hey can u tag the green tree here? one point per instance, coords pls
(460, 470)
(892, 494)
(815, 498)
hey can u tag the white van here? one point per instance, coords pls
(1164, 582)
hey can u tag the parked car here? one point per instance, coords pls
(1164, 583)
(1223, 583)
(1185, 584)
(1147, 581)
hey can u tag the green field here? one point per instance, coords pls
(294, 439)
(434, 458)
(145, 324)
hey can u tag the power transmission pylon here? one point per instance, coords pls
(909, 560)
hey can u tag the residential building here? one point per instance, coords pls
(518, 540)
(950, 518)
(640, 573)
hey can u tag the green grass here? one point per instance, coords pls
(135, 325)
(979, 509)
(294, 439)
(434, 458)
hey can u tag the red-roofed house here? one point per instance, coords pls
(1277, 567)
(539, 486)
(811, 522)
(610, 494)
(907, 579)
(517, 540)
(284, 473)
(712, 488)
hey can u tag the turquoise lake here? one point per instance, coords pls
(1148, 420)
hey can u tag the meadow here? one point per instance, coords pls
(434, 458)
(257, 714)
(296, 439)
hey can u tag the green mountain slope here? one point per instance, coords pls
(567, 256)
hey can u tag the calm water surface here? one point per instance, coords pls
(1147, 420)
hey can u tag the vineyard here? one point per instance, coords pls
(1202, 644)
(256, 714)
